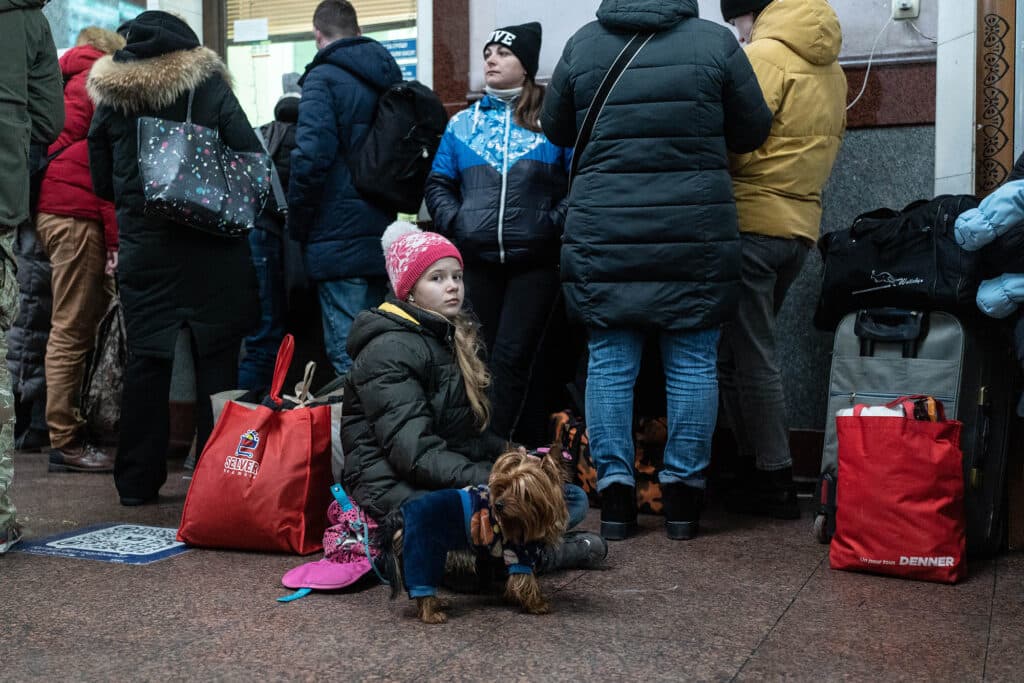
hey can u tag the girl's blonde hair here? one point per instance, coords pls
(469, 353)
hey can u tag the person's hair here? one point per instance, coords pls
(527, 112)
(336, 19)
(100, 38)
(468, 351)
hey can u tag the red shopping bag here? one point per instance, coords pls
(900, 495)
(263, 480)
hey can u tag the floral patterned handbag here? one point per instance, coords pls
(192, 178)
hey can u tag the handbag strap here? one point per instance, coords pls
(621, 63)
(302, 396)
(275, 179)
(188, 112)
(284, 361)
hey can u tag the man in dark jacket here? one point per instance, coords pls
(340, 230)
(651, 242)
(31, 111)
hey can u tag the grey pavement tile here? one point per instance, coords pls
(658, 607)
(563, 646)
(813, 641)
(841, 589)
(1005, 658)
(1009, 590)
(168, 658)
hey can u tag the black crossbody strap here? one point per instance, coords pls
(275, 180)
(621, 63)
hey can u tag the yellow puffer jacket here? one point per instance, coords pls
(794, 49)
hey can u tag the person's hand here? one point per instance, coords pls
(111, 266)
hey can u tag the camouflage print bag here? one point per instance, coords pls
(650, 435)
(101, 392)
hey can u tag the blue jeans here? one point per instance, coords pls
(257, 367)
(577, 502)
(341, 301)
(691, 390)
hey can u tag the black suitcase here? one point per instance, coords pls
(882, 354)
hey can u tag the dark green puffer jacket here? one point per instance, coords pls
(651, 237)
(408, 427)
(31, 99)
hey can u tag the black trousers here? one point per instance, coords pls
(515, 305)
(140, 468)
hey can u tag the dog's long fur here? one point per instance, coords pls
(528, 504)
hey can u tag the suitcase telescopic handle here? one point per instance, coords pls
(889, 326)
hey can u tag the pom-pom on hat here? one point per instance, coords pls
(409, 251)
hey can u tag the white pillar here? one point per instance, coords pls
(955, 78)
(425, 42)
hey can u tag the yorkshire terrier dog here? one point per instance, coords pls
(514, 517)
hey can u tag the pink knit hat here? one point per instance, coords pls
(409, 251)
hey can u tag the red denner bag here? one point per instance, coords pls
(263, 480)
(900, 496)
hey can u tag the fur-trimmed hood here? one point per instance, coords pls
(154, 83)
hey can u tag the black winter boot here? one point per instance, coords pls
(577, 550)
(618, 512)
(681, 504)
(768, 494)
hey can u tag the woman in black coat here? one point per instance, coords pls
(170, 276)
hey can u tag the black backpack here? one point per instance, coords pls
(391, 166)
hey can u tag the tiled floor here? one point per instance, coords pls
(747, 600)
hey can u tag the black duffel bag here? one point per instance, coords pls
(908, 259)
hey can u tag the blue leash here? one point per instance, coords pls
(362, 533)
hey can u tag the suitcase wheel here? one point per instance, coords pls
(821, 529)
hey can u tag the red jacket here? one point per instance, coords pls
(67, 186)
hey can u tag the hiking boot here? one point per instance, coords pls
(681, 505)
(618, 512)
(767, 494)
(85, 458)
(578, 550)
(9, 536)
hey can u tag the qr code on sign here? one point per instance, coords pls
(124, 539)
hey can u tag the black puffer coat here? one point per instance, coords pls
(170, 275)
(651, 237)
(408, 428)
(26, 340)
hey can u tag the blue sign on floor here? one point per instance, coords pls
(121, 543)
